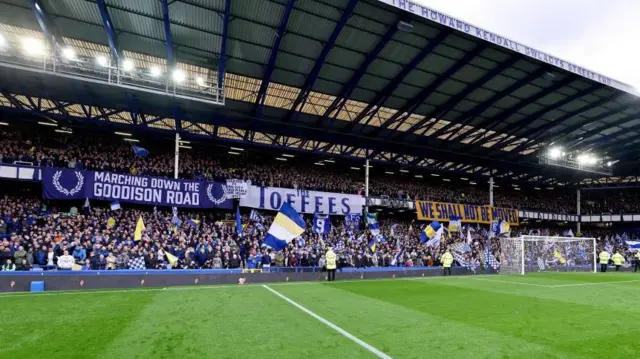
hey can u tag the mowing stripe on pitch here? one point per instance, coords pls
(592, 283)
(346, 334)
(511, 282)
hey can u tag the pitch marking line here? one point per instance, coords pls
(554, 285)
(595, 283)
(346, 334)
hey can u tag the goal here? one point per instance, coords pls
(527, 254)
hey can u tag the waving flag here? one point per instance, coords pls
(139, 229)
(115, 205)
(139, 151)
(372, 244)
(256, 217)
(490, 260)
(193, 223)
(430, 232)
(321, 223)
(454, 223)
(238, 222)
(285, 227)
(374, 227)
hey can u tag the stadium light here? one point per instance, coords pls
(127, 65)
(155, 71)
(32, 46)
(435, 175)
(3, 41)
(4, 124)
(69, 53)
(404, 171)
(178, 76)
(64, 131)
(319, 164)
(472, 182)
(555, 152)
(236, 148)
(131, 140)
(287, 155)
(389, 172)
(418, 176)
(464, 179)
(200, 82)
(126, 134)
(446, 180)
(233, 153)
(185, 147)
(43, 123)
(330, 161)
(536, 188)
(281, 159)
(102, 60)
(355, 168)
(586, 159)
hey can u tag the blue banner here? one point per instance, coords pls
(272, 198)
(321, 224)
(71, 184)
(352, 222)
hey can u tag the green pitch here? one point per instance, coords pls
(535, 316)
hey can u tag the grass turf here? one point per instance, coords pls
(551, 315)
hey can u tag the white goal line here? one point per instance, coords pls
(555, 285)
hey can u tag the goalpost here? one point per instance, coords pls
(527, 254)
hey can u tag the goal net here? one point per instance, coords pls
(528, 254)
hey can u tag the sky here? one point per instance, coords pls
(599, 35)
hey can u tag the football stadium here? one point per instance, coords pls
(308, 179)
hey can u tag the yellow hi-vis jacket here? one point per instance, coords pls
(331, 259)
(447, 259)
(618, 259)
(637, 256)
(604, 257)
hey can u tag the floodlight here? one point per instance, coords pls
(178, 76)
(33, 46)
(69, 53)
(200, 81)
(102, 60)
(555, 152)
(155, 71)
(127, 65)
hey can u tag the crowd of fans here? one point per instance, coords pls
(36, 235)
(112, 154)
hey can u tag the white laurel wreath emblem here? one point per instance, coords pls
(216, 201)
(68, 192)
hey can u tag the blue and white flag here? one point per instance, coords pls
(287, 225)
(393, 230)
(256, 217)
(139, 151)
(115, 205)
(397, 259)
(431, 233)
(568, 233)
(352, 222)
(321, 224)
(175, 220)
(490, 260)
(633, 245)
(374, 228)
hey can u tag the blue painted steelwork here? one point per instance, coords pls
(536, 115)
(110, 31)
(45, 23)
(442, 111)
(495, 121)
(486, 104)
(383, 95)
(539, 131)
(315, 71)
(412, 105)
(345, 92)
(223, 47)
(167, 34)
(271, 65)
(598, 128)
(269, 128)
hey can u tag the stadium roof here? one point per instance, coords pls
(388, 79)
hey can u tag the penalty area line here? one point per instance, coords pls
(344, 333)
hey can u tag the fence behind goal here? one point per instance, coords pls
(527, 254)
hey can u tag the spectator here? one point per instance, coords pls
(8, 266)
(65, 262)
